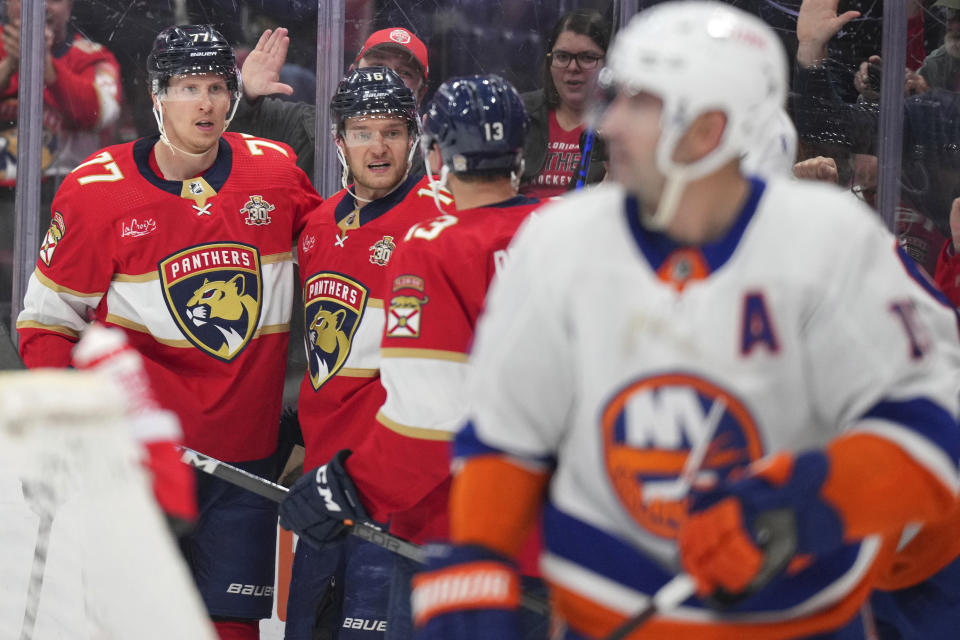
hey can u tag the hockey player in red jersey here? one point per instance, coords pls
(184, 241)
(677, 372)
(344, 254)
(474, 127)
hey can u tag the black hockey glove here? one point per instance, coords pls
(323, 503)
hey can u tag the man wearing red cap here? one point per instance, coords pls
(295, 122)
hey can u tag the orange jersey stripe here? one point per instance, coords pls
(869, 502)
(494, 503)
(933, 548)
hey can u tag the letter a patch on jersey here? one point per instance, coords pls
(406, 306)
(333, 305)
(214, 293)
(52, 240)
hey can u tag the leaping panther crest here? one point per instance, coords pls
(224, 306)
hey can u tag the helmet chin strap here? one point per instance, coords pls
(158, 116)
(517, 175)
(437, 185)
(345, 173)
(669, 199)
(678, 176)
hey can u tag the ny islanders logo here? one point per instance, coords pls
(214, 293)
(332, 306)
(662, 433)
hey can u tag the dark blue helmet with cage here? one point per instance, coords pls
(479, 124)
(191, 48)
(373, 92)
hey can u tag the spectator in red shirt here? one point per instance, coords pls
(575, 52)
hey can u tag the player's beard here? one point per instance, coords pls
(381, 182)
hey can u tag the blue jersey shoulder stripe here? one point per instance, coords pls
(925, 417)
(921, 277)
(467, 444)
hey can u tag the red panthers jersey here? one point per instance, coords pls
(344, 253)
(199, 273)
(437, 283)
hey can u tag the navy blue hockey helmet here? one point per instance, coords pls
(479, 123)
(191, 48)
(376, 92)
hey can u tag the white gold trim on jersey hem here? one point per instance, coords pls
(185, 344)
(55, 328)
(352, 372)
(417, 433)
(427, 354)
(53, 286)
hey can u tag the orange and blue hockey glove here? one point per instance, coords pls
(466, 592)
(743, 534)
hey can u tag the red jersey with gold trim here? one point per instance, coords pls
(199, 274)
(437, 283)
(344, 254)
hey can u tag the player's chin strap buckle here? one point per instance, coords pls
(775, 533)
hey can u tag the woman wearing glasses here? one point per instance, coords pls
(575, 52)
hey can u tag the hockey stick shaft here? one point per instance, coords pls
(276, 493)
(668, 596)
(585, 159)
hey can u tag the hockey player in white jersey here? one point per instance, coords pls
(684, 374)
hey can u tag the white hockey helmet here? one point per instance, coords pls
(774, 149)
(699, 56)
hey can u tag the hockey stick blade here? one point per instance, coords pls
(668, 596)
(276, 493)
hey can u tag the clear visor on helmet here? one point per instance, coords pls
(195, 86)
(375, 128)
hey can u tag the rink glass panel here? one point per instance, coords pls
(507, 37)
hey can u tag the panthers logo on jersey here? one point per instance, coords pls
(664, 432)
(214, 293)
(333, 305)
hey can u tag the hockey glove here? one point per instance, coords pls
(744, 533)
(466, 592)
(323, 503)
